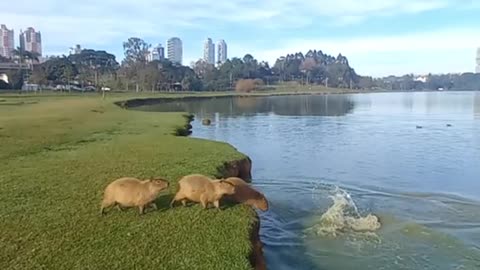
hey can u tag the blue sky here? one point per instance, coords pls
(379, 37)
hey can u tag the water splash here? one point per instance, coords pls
(343, 216)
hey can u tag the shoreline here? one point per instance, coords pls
(159, 98)
(241, 168)
(112, 142)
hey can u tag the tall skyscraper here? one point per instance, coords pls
(222, 51)
(175, 50)
(209, 51)
(7, 41)
(31, 41)
(477, 69)
(157, 53)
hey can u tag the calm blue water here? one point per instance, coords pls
(423, 183)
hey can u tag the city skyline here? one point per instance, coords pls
(156, 53)
(7, 41)
(31, 41)
(175, 50)
(209, 51)
(222, 51)
(387, 37)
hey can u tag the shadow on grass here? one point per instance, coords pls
(5, 103)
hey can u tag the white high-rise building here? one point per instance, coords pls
(209, 51)
(175, 50)
(157, 53)
(31, 41)
(477, 69)
(7, 41)
(222, 51)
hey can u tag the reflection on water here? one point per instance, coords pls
(422, 184)
(325, 105)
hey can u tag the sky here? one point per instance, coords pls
(379, 37)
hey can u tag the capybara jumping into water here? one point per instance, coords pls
(244, 193)
(202, 189)
(132, 192)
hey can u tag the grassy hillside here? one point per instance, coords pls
(57, 155)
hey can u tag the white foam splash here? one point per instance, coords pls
(343, 216)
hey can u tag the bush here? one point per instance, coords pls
(245, 85)
(259, 82)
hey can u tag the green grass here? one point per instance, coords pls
(57, 154)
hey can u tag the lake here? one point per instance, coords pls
(330, 165)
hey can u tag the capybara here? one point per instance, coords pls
(202, 189)
(132, 192)
(246, 194)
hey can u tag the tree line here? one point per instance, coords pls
(464, 81)
(100, 68)
(96, 68)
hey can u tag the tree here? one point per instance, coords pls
(308, 65)
(136, 51)
(39, 75)
(151, 76)
(24, 56)
(365, 82)
(192, 83)
(250, 66)
(92, 64)
(55, 70)
(4, 59)
(68, 74)
(204, 70)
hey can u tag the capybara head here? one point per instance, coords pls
(158, 184)
(262, 203)
(225, 187)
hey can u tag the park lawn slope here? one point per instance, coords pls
(58, 154)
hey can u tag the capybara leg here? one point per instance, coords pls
(119, 207)
(172, 202)
(204, 201)
(217, 204)
(141, 209)
(105, 204)
(184, 202)
(177, 197)
(154, 205)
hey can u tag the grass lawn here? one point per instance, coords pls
(57, 154)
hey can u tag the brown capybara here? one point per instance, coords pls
(202, 189)
(132, 192)
(244, 193)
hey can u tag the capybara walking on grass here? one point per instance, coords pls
(202, 189)
(246, 194)
(132, 192)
